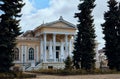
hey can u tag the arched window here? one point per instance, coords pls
(16, 54)
(31, 54)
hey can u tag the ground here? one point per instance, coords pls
(108, 76)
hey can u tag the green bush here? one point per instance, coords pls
(68, 63)
(74, 72)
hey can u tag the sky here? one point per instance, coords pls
(35, 12)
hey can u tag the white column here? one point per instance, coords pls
(44, 48)
(54, 46)
(66, 45)
(25, 53)
(96, 52)
(97, 57)
(37, 49)
(62, 51)
(21, 53)
(50, 50)
(41, 49)
(70, 48)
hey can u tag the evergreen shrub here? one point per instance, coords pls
(74, 72)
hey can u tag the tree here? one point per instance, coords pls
(68, 63)
(118, 41)
(9, 30)
(110, 33)
(83, 54)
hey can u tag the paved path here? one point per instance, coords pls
(109, 76)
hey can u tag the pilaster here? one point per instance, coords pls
(21, 53)
(25, 53)
(37, 55)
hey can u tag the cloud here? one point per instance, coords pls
(28, 8)
(33, 17)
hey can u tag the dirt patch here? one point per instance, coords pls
(108, 76)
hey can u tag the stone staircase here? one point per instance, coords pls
(44, 65)
(36, 67)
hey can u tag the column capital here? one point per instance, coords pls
(66, 34)
(44, 33)
(54, 34)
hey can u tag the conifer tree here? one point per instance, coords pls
(68, 63)
(9, 30)
(110, 33)
(83, 54)
(118, 42)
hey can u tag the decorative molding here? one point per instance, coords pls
(28, 38)
(70, 25)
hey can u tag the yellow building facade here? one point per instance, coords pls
(47, 46)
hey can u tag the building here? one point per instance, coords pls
(103, 62)
(47, 46)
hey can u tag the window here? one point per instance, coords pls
(50, 67)
(16, 54)
(46, 47)
(57, 47)
(31, 54)
(57, 54)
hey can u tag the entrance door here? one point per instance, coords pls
(57, 56)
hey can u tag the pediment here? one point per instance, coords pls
(60, 25)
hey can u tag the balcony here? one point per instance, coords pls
(28, 38)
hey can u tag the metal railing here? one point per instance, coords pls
(28, 38)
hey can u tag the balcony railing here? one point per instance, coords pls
(28, 38)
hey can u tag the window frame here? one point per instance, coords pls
(31, 53)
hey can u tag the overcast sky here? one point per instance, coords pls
(35, 12)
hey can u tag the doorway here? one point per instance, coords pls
(57, 56)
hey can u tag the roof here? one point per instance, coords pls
(101, 51)
(70, 25)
